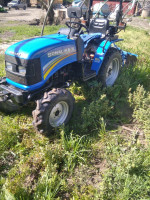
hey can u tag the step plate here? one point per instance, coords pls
(89, 75)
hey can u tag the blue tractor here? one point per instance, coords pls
(40, 69)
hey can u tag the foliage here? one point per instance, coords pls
(67, 2)
(92, 114)
(2, 9)
(2, 68)
(76, 149)
(48, 186)
(21, 32)
(140, 101)
(128, 174)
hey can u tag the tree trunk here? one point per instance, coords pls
(50, 18)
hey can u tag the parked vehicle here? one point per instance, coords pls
(58, 6)
(17, 4)
(42, 68)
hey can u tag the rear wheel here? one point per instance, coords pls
(110, 68)
(53, 109)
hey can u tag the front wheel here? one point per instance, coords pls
(110, 68)
(53, 109)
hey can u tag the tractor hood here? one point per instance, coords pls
(36, 47)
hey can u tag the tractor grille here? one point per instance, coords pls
(33, 70)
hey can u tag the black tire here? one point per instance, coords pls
(57, 100)
(8, 106)
(108, 76)
(131, 60)
(24, 8)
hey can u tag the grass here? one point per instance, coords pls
(94, 156)
(21, 32)
(2, 67)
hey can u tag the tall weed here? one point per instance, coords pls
(140, 102)
(48, 186)
(93, 113)
(128, 175)
(76, 150)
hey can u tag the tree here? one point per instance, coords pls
(45, 5)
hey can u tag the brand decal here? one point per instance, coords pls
(15, 54)
(97, 60)
(61, 51)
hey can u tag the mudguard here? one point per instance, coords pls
(102, 50)
(100, 54)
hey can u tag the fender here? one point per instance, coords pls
(101, 52)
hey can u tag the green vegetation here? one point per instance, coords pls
(102, 154)
(2, 9)
(21, 32)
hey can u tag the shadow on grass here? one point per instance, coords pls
(129, 79)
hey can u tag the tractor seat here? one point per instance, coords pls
(99, 25)
(67, 31)
(88, 37)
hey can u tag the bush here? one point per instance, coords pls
(2, 9)
(140, 102)
(93, 113)
(128, 175)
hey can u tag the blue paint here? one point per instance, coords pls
(46, 61)
(100, 54)
(36, 47)
(88, 37)
(36, 86)
(41, 47)
(24, 87)
(61, 64)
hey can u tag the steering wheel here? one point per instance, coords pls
(68, 23)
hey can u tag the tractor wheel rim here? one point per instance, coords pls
(58, 114)
(112, 72)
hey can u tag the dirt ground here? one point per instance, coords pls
(22, 15)
(140, 23)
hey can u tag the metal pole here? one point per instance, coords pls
(119, 18)
(89, 11)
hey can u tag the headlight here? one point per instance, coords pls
(22, 70)
(16, 68)
(9, 66)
